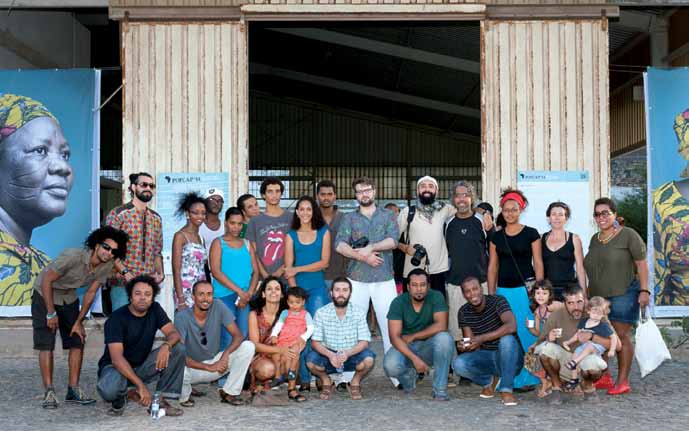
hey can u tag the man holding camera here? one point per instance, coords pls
(423, 225)
(367, 237)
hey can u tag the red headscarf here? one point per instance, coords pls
(513, 196)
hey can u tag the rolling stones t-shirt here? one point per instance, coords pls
(268, 233)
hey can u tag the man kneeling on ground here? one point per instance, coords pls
(129, 356)
(560, 327)
(340, 341)
(200, 328)
(417, 322)
(489, 348)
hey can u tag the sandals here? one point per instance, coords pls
(355, 392)
(572, 365)
(572, 384)
(197, 393)
(295, 396)
(327, 391)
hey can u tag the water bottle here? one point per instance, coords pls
(155, 407)
(340, 369)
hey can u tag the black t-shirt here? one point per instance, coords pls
(487, 321)
(602, 329)
(135, 333)
(467, 248)
(520, 244)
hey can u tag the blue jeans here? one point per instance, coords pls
(118, 297)
(241, 316)
(480, 366)
(350, 364)
(318, 297)
(436, 351)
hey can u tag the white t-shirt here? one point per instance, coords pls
(430, 235)
(209, 234)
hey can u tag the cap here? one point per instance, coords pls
(427, 178)
(213, 192)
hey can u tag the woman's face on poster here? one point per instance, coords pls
(35, 174)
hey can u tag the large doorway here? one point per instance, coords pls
(393, 101)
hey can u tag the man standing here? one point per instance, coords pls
(55, 305)
(326, 194)
(145, 229)
(466, 237)
(340, 340)
(418, 331)
(560, 327)
(248, 204)
(129, 356)
(490, 346)
(267, 231)
(422, 225)
(200, 328)
(213, 227)
(367, 237)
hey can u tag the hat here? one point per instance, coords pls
(213, 192)
(427, 178)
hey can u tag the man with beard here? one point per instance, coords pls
(560, 327)
(200, 328)
(367, 237)
(213, 227)
(423, 225)
(55, 305)
(340, 341)
(129, 357)
(145, 229)
(490, 347)
(418, 332)
(466, 237)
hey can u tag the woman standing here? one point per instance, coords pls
(617, 271)
(188, 250)
(515, 257)
(235, 273)
(563, 255)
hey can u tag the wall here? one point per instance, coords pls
(43, 40)
(185, 99)
(544, 100)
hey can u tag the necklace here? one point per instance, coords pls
(607, 238)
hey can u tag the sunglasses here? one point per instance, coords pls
(107, 247)
(204, 340)
(604, 213)
(144, 184)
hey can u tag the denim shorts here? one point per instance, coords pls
(600, 349)
(350, 364)
(625, 308)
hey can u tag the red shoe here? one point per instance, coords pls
(620, 389)
(605, 382)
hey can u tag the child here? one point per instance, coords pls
(597, 324)
(293, 328)
(542, 305)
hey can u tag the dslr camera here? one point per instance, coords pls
(419, 253)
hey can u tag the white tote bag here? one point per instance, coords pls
(650, 349)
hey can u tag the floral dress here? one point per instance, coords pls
(194, 256)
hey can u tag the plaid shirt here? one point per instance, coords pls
(145, 230)
(336, 334)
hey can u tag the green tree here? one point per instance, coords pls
(634, 210)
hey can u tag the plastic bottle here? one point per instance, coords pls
(340, 369)
(155, 407)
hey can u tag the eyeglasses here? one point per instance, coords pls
(204, 340)
(364, 191)
(105, 246)
(604, 213)
(145, 185)
(462, 195)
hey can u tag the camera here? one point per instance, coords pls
(419, 253)
(360, 243)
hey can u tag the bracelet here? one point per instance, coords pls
(165, 343)
(51, 315)
(645, 290)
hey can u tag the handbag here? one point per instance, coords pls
(650, 350)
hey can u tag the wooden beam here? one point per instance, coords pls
(49, 4)
(262, 69)
(534, 12)
(175, 14)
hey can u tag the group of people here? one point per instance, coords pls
(270, 298)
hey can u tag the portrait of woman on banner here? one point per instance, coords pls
(35, 180)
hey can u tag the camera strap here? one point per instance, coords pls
(410, 218)
(504, 235)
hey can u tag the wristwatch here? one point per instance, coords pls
(51, 315)
(124, 271)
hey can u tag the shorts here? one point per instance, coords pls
(43, 337)
(599, 348)
(589, 363)
(625, 308)
(350, 364)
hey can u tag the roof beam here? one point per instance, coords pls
(48, 4)
(639, 21)
(385, 48)
(262, 69)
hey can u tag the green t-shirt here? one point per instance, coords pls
(242, 234)
(402, 309)
(610, 267)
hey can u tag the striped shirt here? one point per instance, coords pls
(340, 334)
(486, 321)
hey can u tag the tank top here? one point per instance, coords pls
(305, 254)
(235, 263)
(558, 265)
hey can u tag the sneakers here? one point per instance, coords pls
(440, 396)
(605, 382)
(117, 407)
(620, 389)
(50, 399)
(77, 396)
(508, 399)
(489, 391)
